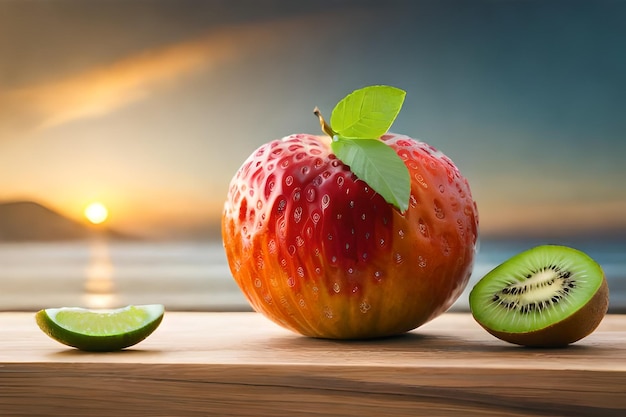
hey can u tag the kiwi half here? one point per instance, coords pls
(547, 296)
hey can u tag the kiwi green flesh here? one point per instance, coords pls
(572, 329)
(547, 296)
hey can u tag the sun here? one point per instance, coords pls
(96, 213)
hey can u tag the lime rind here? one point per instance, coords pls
(588, 274)
(100, 330)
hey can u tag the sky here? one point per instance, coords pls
(151, 106)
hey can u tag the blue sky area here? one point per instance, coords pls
(151, 106)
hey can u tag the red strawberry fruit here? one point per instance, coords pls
(318, 250)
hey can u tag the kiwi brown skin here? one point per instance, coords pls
(569, 330)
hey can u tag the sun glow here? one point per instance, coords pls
(96, 213)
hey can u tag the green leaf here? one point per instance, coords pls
(376, 163)
(368, 112)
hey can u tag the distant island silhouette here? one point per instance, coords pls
(31, 221)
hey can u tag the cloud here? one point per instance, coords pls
(102, 90)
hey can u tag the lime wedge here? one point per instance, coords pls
(100, 330)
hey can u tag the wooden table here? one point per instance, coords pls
(224, 364)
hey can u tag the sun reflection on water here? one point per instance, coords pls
(99, 286)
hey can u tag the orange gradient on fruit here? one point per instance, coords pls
(317, 251)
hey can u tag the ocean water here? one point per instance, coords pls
(191, 275)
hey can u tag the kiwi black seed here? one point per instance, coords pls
(547, 296)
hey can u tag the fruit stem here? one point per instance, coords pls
(325, 126)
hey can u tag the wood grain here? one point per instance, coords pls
(227, 364)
